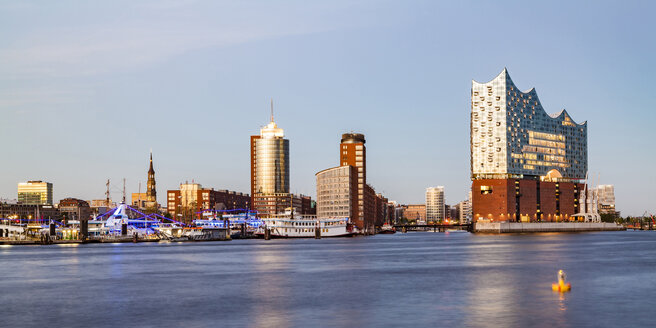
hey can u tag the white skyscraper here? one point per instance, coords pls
(435, 203)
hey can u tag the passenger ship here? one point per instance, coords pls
(305, 226)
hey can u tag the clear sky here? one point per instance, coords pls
(87, 88)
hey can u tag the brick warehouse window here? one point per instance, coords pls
(486, 190)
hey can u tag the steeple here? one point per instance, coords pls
(151, 190)
(151, 170)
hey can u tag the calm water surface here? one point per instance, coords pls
(414, 279)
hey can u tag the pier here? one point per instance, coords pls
(432, 227)
(523, 227)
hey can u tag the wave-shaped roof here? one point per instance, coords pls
(561, 115)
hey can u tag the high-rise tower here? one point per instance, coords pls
(270, 169)
(151, 190)
(354, 153)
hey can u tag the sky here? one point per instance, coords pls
(87, 89)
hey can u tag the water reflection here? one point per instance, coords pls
(414, 279)
(492, 298)
(270, 289)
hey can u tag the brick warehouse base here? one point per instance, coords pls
(527, 200)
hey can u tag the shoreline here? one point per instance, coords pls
(531, 227)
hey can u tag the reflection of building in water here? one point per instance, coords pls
(525, 164)
(271, 289)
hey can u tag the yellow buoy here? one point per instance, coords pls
(561, 286)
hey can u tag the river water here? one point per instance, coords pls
(416, 279)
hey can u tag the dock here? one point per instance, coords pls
(527, 227)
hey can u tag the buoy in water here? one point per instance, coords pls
(561, 286)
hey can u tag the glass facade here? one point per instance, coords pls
(272, 166)
(513, 136)
(35, 193)
(271, 161)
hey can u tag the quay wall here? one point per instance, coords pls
(515, 227)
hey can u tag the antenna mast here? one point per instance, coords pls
(123, 190)
(271, 109)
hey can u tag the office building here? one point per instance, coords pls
(139, 199)
(185, 203)
(35, 193)
(74, 209)
(435, 207)
(337, 192)
(415, 212)
(526, 165)
(269, 169)
(27, 212)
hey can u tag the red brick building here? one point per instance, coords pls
(524, 199)
(185, 203)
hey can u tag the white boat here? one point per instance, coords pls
(305, 226)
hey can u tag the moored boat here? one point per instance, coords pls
(305, 226)
(387, 229)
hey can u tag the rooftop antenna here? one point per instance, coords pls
(123, 190)
(271, 109)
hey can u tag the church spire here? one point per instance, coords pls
(151, 191)
(151, 170)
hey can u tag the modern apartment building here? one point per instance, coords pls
(606, 199)
(337, 192)
(435, 207)
(464, 211)
(347, 185)
(526, 165)
(35, 192)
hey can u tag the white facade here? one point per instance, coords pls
(464, 212)
(335, 193)
(435, 203)
(606, 199)
(512, 135)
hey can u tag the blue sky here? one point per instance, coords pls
(88, 88)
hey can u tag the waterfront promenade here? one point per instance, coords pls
(418, 278)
